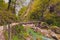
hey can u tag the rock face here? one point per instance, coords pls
(48, 33)
(1, 33)
(56, 30)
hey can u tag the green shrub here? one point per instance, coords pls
(49, 22)
(7, 17)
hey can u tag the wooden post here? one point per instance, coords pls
(9, 32)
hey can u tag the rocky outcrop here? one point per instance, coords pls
(56, 30)
(48, 33)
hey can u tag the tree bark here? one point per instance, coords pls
(9, 4)
(9, 32)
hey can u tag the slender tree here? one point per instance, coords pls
(28, 9)
(9, 4)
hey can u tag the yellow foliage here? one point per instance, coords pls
(48, 16)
